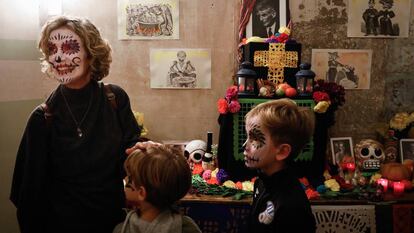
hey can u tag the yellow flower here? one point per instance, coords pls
(229, 184)
(332, 184)
(400, 121)
(247, 186)
(139, 117)
(285, 30)
(322, 106)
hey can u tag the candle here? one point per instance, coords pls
(398, 188)
(350, 167)
(384, 183)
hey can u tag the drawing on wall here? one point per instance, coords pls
(398, 95)
(148, 19)
(180, 68)
(267, 17)
(378, 18)
(347, 67)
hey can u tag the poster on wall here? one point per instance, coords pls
(347, 67)
(378, 18)
(267, 17)
(180, 68)
(148, 19)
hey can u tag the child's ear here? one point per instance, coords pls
(283, 151)
(141, 193)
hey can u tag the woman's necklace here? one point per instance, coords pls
(78, 124)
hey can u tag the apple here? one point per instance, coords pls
(283, 86)
(290, 92)
(280, 92)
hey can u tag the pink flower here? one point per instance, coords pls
(234, 106)
(222, 106)
(231, 92)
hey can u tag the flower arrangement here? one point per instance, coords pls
(230, 102)
(328, 95)
(139, 117)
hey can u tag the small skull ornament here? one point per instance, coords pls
(369, 155)
(194, 152)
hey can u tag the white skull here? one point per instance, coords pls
(369, 155)
(194, 152)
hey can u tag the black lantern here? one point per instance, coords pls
(246, 80)
(304, 80)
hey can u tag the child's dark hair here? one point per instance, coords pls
(286, 122)
(163, 171)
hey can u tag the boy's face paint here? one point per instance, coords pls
(67, 56)
(259, 150)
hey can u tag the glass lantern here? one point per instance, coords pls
(246, 80)
(304, 80)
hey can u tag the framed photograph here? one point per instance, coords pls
(407, 149)
(378, 18)
(148, 19)
(267, 17)
(180, 68)
(350, 68)
(342, 150)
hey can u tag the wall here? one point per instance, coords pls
(184, 114)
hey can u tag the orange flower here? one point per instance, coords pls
(222, 106)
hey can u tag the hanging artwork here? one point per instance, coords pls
(267, 17)
(347, 67)
(378, 18)
(180, 68)
(148, 19)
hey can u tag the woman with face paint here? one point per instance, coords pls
(276, 132)
(68, 172)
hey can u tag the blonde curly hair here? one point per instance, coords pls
(97, 49)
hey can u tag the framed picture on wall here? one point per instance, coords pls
(407, 149)
(342, 150)
(378, 19)
(267, 17)
(180, 68)
(350, 68)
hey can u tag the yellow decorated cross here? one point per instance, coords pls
(276, 59)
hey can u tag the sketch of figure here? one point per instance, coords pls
(182, 72)
(339, 73)
(333, 66)
(370, 17)
(149, 20)
(385, 15)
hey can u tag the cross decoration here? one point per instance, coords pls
(276, 59)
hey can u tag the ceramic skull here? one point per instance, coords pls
(194, 152)
(369, 155)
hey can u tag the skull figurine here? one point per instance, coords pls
(194, 152)
(369, 155)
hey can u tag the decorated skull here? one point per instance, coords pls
(369, 155)
(194, 152)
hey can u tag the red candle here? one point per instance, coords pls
(398, 188)
(384, 183)
(350, 167)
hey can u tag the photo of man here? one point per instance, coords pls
(268, 16)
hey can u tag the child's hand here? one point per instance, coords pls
(141, 146)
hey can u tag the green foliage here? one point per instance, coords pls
(199, 186)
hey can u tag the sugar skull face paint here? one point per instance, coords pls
(259, 150)
(67, 56)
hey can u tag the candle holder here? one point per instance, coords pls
(246, 80)
(398, 188)
(384, 184)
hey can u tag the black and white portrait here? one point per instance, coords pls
(341, 149)
(267, 17)
(180, 68)
(378, 18)
(398, 95)
(407, 149)
(153, 19)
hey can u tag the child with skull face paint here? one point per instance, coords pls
(68, 173)
(276, 132)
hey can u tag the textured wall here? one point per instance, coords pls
(322, 24)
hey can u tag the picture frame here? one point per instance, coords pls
(255, 26)
(406, 149)
(341, 147)
(350, 68)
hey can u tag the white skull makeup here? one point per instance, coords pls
(259, 150)
(67, 55)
